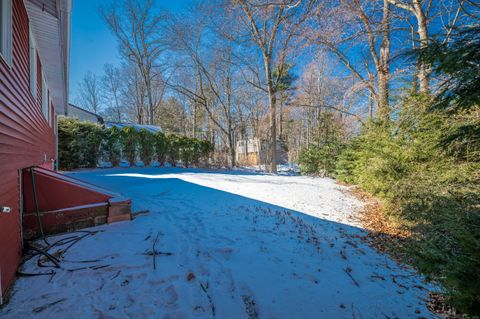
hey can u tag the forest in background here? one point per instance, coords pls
(298, 73)
(384, 94)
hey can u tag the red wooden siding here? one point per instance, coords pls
(26, 139)
(56, 191)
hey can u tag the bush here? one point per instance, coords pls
(203, 149)
(320, 157)
(81, 144)
(111, 145)
(426, 168)
(318, 160)
(173, 149)
(309, 160)
(129, 141)
(78, 143)
(161, 148)
(89, 139)
(372, 154)
(146, 141)
(187, 150)
(432, 191)
(68, 156)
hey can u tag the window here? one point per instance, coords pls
(44, 99)
(33, 66)
(6, 30)
(50, 114)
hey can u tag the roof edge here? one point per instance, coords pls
(64, 8)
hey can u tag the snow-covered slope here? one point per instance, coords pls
(234, 245)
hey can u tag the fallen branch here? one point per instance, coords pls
(42, 308)
(348, 271)
(210, 300)
(343, 254)
(154, 252)
(157, 252)
(28, 274)
(116, 275)
(89, 267)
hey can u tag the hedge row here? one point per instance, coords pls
(430, 187)
(83, 144)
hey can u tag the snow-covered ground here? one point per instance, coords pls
(234, 244)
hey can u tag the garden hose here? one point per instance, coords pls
(36, 204)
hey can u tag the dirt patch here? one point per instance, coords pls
(384, 233)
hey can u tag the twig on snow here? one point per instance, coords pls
(42, 308)
(27, 274)
(343, 254)
(348, 271)
(210, 300)
(116, 275)
(154, 252)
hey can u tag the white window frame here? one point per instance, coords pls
(44, 98)
(6, 31)
(50, 111)
(33, 66)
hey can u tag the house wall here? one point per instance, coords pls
(81, 115)
(256, 152)
(249, 159)
(26, 139)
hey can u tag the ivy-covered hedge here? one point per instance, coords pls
(78, 143)
(83, 144)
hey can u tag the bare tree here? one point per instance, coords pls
(369, 25)
(138, 28)
(112, 84)
(134, 94)
(89, 93)
(419, 9)
(273, 28)
(446, 14)
(213, 92)
(206, 57)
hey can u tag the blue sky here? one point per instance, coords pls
(92, 43)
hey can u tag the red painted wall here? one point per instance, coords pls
(25, 139)
(56, 191)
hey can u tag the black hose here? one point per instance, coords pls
(36, 205)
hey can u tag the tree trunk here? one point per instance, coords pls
(231, 142)
(148, 86)
(231, 133)
(194, 124)
(424, 70)
(384, 64)
(415, 78)
(371, 99)
(117, 106)
(280, 124)
(273, 115)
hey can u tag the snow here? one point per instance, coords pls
(236, 244)
(103, 164)
(124, 164)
